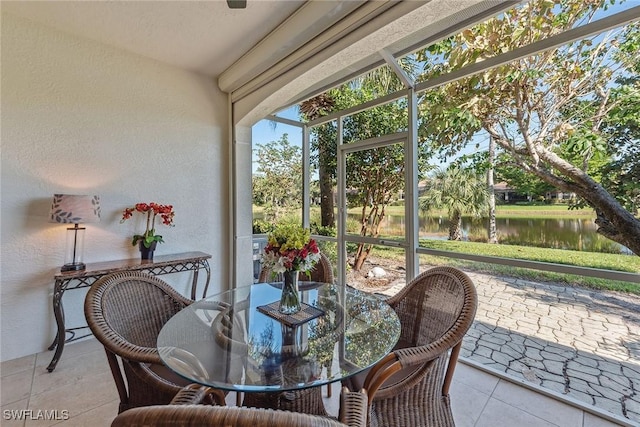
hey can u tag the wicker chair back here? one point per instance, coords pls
(410, 387)
(125, 311)
(353, 413)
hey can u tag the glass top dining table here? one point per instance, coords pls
(232, 340)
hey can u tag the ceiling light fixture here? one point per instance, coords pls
(237, 4)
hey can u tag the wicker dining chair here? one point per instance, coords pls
(353, 413)
(410, 386)
(125, 311)
(309, 400)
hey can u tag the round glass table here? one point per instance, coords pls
(237, 341)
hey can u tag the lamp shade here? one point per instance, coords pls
(73, 209)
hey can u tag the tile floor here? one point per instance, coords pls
(80, 392)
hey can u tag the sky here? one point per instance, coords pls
(266, 131)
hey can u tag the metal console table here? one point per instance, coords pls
(164, 264)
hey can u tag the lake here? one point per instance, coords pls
(559, 233)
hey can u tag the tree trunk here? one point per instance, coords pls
(313, 108)
(455, 226)
(327, 216)
(492, 235)
(361, 255)
(613, 221)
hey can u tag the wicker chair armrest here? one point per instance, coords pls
(186, 360)
(195, 394)
(353, 407)
(213, 305)
(227, 327)
(379, 373)
(209, 395)
(391, 365)
(414, 356)
(130, 351)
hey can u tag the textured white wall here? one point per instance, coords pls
(80, 117)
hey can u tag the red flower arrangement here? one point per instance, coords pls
(152, 210)
(290, 248)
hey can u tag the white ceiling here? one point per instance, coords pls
(208, 37)
(202, 36)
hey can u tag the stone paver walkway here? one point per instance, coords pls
(578, 342)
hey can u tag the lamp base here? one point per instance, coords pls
(73, 267)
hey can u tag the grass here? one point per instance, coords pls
(512, 211)
(547, 211)
(617, 262)
(502, 211)
(628, 263)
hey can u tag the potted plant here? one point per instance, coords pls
(149, 239)
(290, 250)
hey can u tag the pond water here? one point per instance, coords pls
(559, 233)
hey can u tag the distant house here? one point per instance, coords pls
(508, 195)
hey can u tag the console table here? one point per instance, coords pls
(163, 264)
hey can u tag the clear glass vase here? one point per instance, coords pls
(290, 298)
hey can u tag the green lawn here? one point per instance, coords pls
(627, 263)
(502, 211)
(513, 211)
(549, 211)
(618, 262)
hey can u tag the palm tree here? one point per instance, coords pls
(459, 191)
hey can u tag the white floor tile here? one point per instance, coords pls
(538, 404)
(99, 417)
(467, 403)
(70, 369)
(591, 420)
(500, 414)
(16, 387)
(21, 364)
(14, 417)
(84, 394)
(475, 378)
(71, 349)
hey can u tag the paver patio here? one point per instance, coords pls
(582, 343)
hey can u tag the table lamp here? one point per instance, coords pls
(73, 209)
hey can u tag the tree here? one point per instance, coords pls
(324, 143)
(459, 191)
(547, 111)
(375, 177)
(621, 177)
(277, 184)
(522, 182)
(492, 235)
